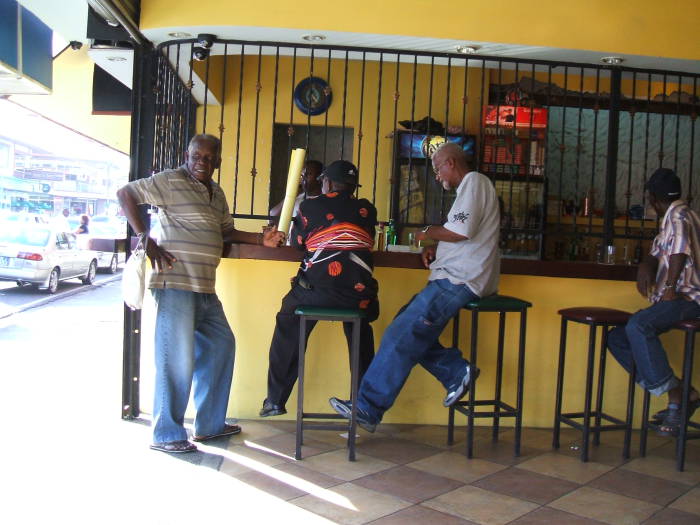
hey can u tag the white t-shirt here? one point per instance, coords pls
(476, 260)
(297, 202)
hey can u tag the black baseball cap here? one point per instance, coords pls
(342, 171)
(664, 183)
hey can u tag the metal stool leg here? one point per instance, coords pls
(499, 376)
(599, 389)
(645, 425)
(354, 379)
(560, 383)
(687, 378)
(300, 387)
(630, 415)
(472, 389)
(589, 388)
(521, 375)
(451, 410)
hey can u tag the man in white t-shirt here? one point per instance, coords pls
(464, 266)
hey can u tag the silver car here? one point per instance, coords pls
(40, 255)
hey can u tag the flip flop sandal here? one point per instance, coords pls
(229, 430)
(670, 424)
(661, 414)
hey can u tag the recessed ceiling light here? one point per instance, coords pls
(179, 34)
(314, 38)
(116, 59)
(467, 50)
(612, 61)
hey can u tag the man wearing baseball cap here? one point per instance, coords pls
(336, 231)
(669, 277)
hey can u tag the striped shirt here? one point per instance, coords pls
(680, 233)
(192, 224)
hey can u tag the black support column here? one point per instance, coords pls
(611, 165)
(141, 158)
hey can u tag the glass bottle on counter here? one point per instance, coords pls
(390, 234)
(379, 237)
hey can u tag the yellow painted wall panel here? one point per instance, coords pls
(251, 292)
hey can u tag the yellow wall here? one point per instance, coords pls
(70, 103)
(252, 291)
(350, 95)
(641, 27)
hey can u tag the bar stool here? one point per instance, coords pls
(501, 304)
(594, 317)
(690, 327)
(316, 313)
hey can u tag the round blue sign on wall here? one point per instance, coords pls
(312, 96)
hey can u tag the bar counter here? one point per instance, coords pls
(568, 269)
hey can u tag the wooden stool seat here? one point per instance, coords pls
(596, 314)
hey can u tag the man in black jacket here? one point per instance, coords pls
(336, 230)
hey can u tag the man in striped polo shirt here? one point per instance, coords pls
(194, 345)
(669, 277)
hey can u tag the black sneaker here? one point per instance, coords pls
(344, 408)
(271, 409)
(458, 390)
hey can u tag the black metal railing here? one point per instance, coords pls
(568, 146)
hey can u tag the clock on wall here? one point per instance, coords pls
(312, 96)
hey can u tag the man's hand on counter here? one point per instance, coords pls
(272, 238)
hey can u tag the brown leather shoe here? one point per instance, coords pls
(229, 430)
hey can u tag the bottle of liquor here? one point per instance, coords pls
(379, 237)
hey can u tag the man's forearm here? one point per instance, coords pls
(675, 267)
(440, 233)
(242, 237)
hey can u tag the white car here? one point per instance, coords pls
(38, 254)
(105, 239)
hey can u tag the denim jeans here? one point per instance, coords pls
(413, 338)
(638, 342)
(194, 348)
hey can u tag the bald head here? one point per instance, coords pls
(205, 138)
(450, 164)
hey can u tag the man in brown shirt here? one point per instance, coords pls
(194, 345)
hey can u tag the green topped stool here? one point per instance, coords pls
(501, 304)
(320, 313)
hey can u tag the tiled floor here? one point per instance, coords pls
(408, 474)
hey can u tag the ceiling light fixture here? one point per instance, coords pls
(612, 61)
(314, 38)
(179, 34)
(467, 49)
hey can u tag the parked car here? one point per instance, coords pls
(38, 254)
(102, 240)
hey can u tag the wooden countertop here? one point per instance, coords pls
(570, 269)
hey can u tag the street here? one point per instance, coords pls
(15, 298)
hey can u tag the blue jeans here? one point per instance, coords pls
(194, 348)
(638, 342)
(413, 338)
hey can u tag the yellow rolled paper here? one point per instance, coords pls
(295, 166)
